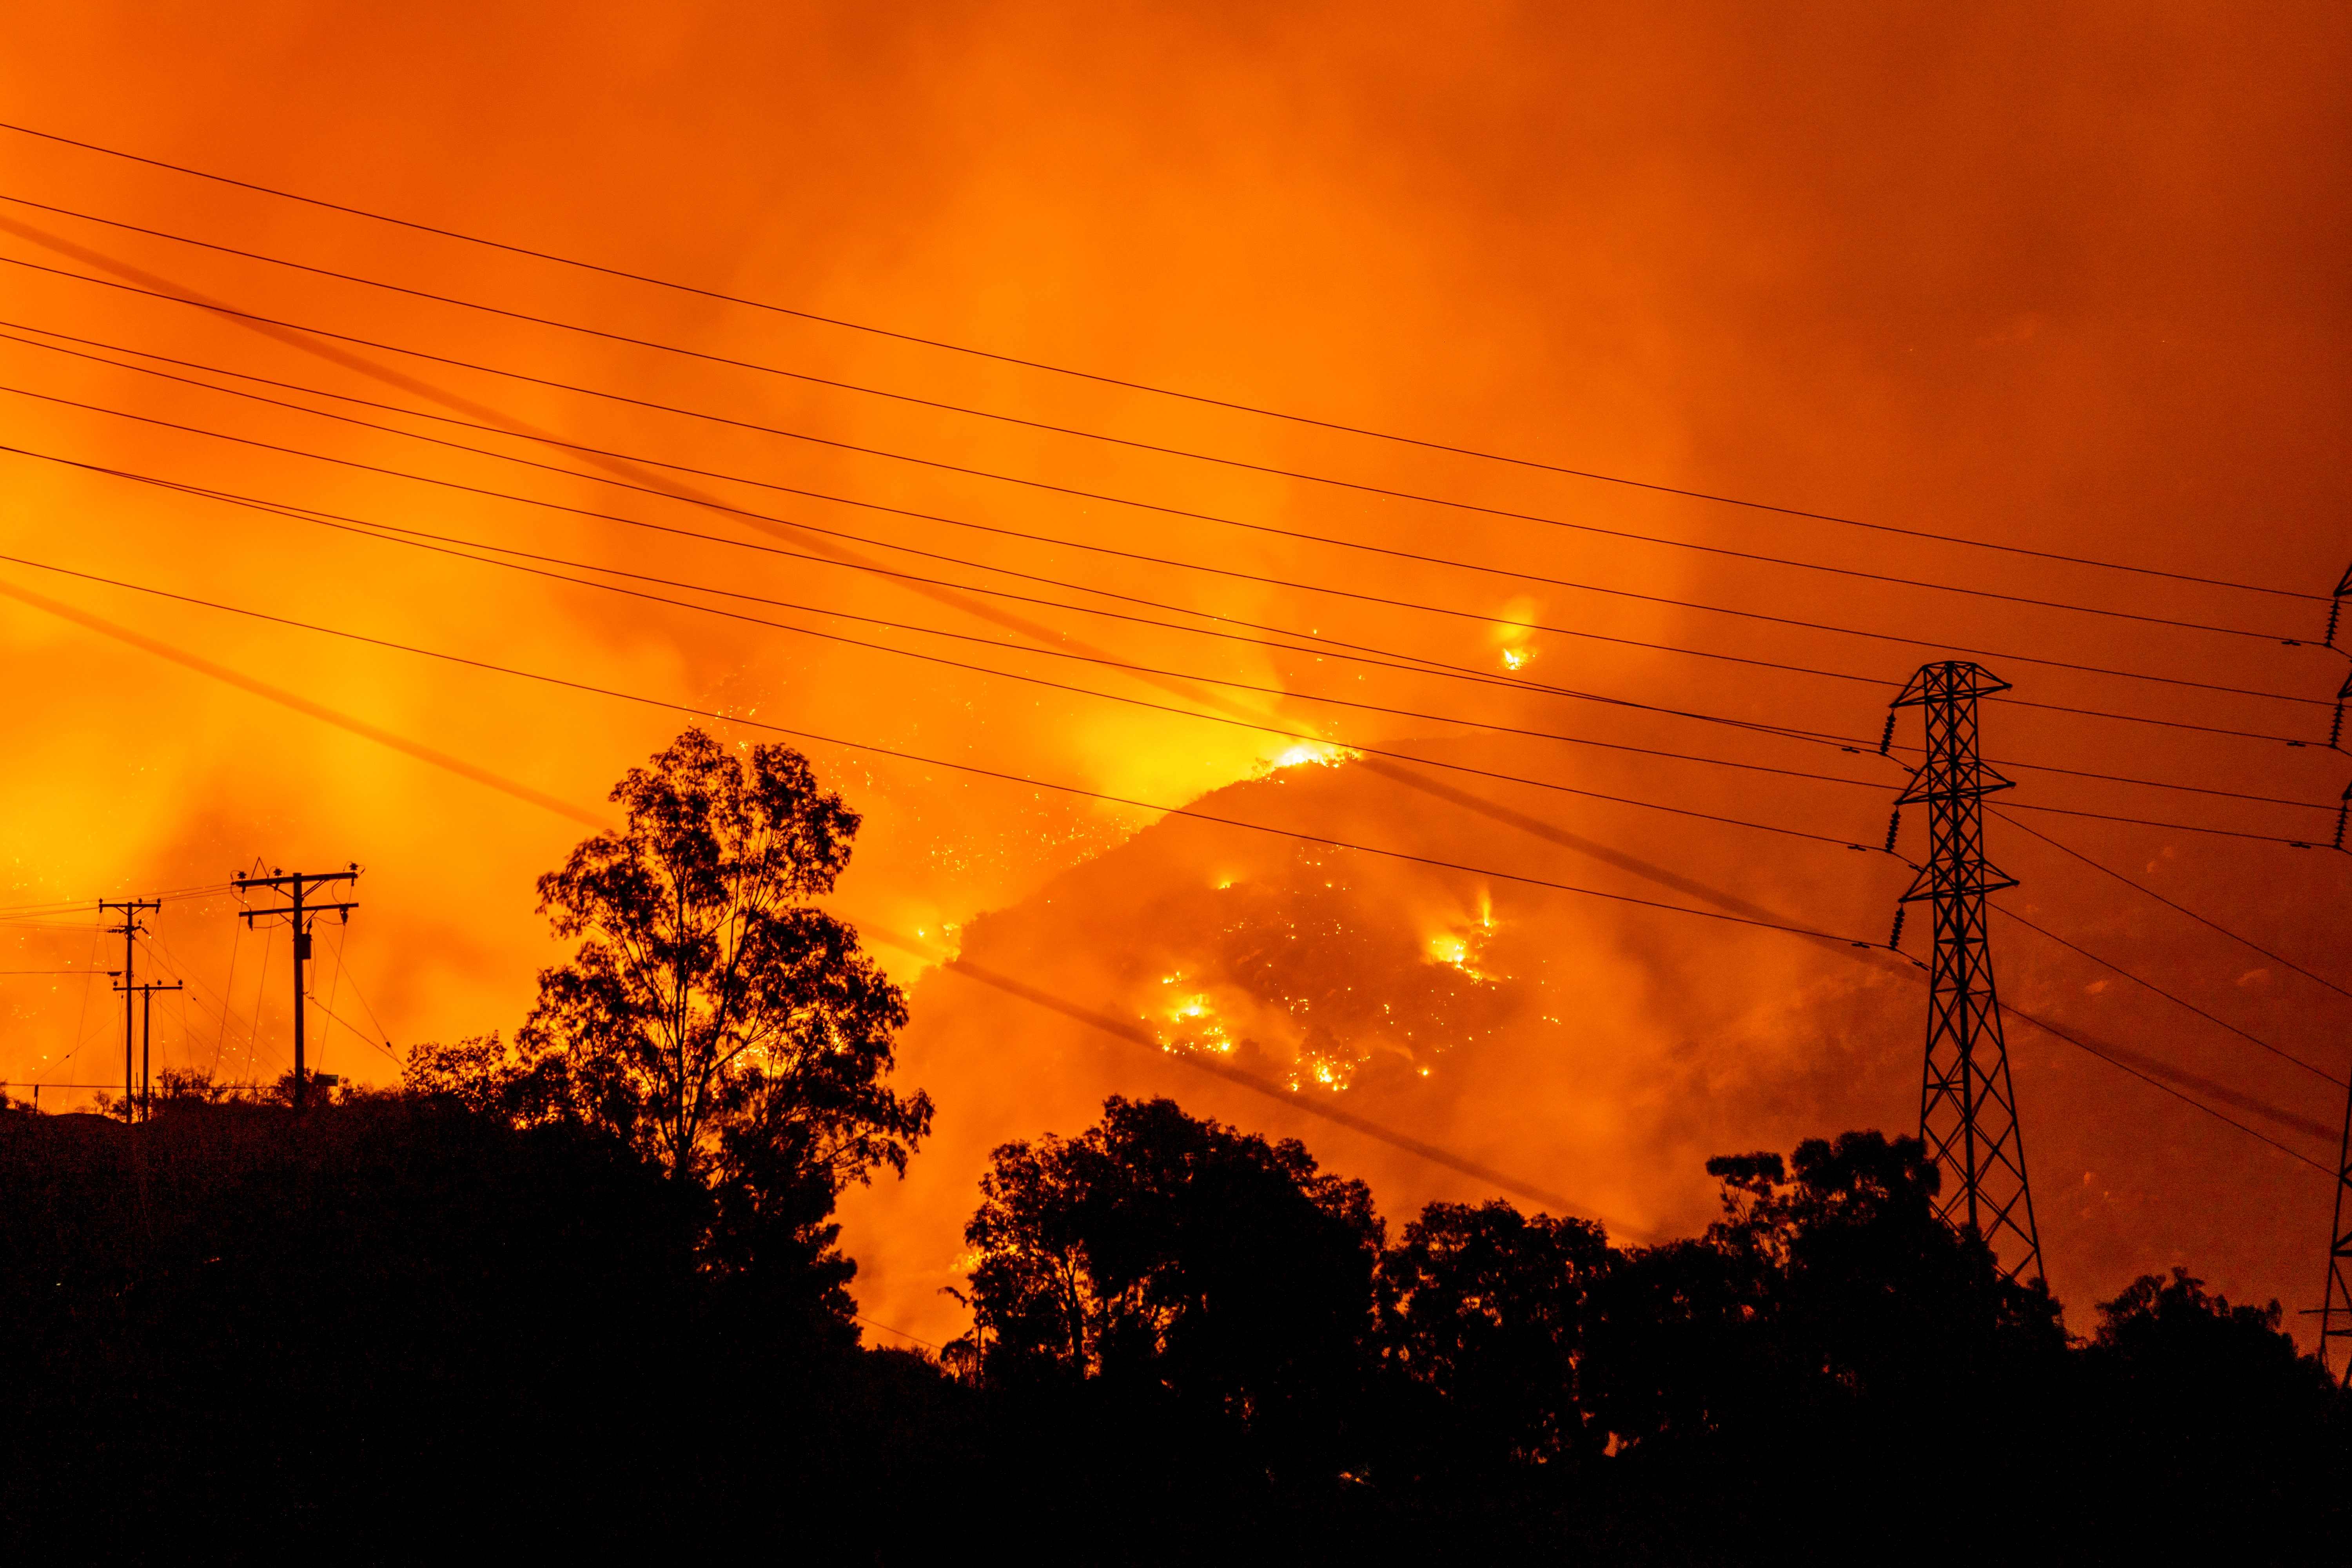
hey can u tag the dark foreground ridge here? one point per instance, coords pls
(400, 1323)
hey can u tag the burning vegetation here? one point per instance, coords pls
(1301, 974)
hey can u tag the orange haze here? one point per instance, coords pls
(2072, 282)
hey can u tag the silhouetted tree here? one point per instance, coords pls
(712, 1018)
(1825, 1290)
(2205, 1418)
(2172, 1330)
(710, 1010)
(1181, 1261)
(230, 1324)
(1482, 1310)
(480, 1073)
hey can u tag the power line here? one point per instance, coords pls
(1324, 649)
(1109, 499)
(413, 537)
(2053, 1029)
(66, 906)
(876, 1323)
(1063, 489)
(2126, 778)
(941, 761)
(737, 478)
(418, 539)
(2177, 1001)
(740, 512)
(1144, 386)
(1321, 648)
(228, 989)
(161, 950)
(1498, 728)
(960, 767)
(366, 1006)
(2244, 942)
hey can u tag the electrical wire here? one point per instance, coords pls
(742, 721)
(422, 541)
(551, 441)
(1105, 498)
(2053, 1029)
(2144, 982)
(228, 989)
(260, 989)
(1142, 386)
(1755, 767)
(876, 1323)
(66, 906)
(1482, 617)
(440, 542)
(1732, 918)
(381, 1033)
(81, 1021)
(334, 989)
(2244, 942)
(2126, 778)
(1391, 659)
(623, 484)
(196, 984)
(1322, 648)
(418, 541)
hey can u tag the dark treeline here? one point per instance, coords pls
(399, 1315)
(581, 1289)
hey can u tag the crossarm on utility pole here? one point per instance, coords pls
(301, 912)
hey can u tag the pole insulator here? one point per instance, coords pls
(1894, 826)
(2334, 612)
(1887, 739)
(1894, 937)
(2342, 812)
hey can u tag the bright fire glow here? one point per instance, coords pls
(1318, 751)
(1515, 632)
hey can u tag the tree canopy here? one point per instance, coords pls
(711, 1017)
(1484, 1310)
(1176, 1257)
(711, 1013)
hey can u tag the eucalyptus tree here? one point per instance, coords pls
(711, 1015)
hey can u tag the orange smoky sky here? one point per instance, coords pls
(2069, 283)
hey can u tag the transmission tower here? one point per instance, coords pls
(1968, 1112)
(298, 886)
(2335, 1305)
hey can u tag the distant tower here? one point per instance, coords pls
(2336, 1307)
(1968, 1113)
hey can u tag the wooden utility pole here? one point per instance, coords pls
(146, 1038)
(300, 911)
(130, 932)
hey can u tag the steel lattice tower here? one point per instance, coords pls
(2335, 1305)
(1968, 1112)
